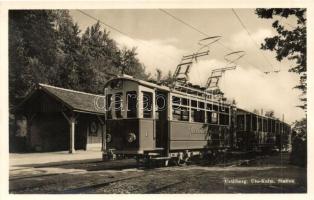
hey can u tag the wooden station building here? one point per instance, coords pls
(60, 119)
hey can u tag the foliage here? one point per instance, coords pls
(299, 143)
(46, 46)
(161, 79)
(299, 128)
(290, 42)
(32, 50)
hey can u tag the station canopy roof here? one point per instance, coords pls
(72, 99)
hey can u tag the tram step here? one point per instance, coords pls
(161, 158)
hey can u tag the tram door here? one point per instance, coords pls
(161, 120)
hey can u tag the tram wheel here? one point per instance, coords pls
(179, 162)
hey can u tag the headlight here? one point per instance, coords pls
(108, 138)
(131, 137)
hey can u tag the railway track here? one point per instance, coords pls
(89, 188)
(92, 185)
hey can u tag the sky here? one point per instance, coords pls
(161, 41)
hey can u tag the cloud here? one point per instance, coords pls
(154, 53)
(253, 89)
(201, 70)
(242, 40)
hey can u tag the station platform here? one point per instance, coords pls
(21, 160)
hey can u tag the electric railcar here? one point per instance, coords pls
(148, 120)
(256, 132)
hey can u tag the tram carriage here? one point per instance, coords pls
(146, 119)
(256, 132)
(152, 121)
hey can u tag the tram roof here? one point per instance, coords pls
(161, 87)
(141, 82)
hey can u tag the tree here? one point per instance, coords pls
(103, 55)
(45, 46)
(32, 51)
(131, 65)
(299, 143)
(161, 79)
(70, 57)
(290, 42)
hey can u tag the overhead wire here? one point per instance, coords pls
(188, 25)
(251, 37)
(121, 32)
(203, 33)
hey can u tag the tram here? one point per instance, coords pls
(177, 121)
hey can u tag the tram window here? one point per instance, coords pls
(209, 116)
(147, 104)
(268, 125)
(108, 106)
(176, 113)
(214, 117)
(227, 110)
(248, 122)
(197, 115)
(184, 101)
(259, 124)
(273, 126)
(201, 105)
(118, 105)
(265, 125)
(131, 101)
(209, 106)
(254, 123)
(175, 100)
(222, 108)
(184, 114)
(194, 103)
(224, 119)
(240, 122)
(180, 113)
(116, 84)
(215, 107)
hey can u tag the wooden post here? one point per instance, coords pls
(71, 120)
(103, 133)
(72, 135)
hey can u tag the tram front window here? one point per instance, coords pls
(131, 102)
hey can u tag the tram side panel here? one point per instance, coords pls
(185, 135)
(147, 136)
